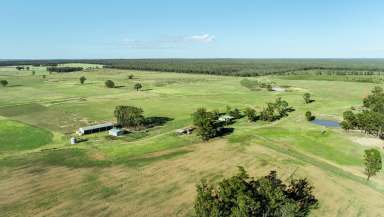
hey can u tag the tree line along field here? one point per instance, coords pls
(233, 67)
(154, 172)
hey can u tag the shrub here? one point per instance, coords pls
(309, 116)
(82, 79)
(4, 83)
(137, 86)
(109, 84)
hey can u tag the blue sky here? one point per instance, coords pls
(48, 29)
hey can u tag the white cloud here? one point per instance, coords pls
(204, 38)
(169, 42)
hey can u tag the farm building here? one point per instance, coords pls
(116, 132)
(226, 118)
(278, 89)
(187, 130)
(95, 128)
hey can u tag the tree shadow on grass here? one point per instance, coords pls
(119, 86)
(15, 85)
(226, 131)
(148, 89)
(156, 121)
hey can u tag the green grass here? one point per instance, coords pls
(154, 171)
(15, 136)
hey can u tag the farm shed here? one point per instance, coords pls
(116, 132)
(226, 118)
(187, 130)
(95, 128)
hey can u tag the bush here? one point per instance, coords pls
(309, 116)
(82, 79)
(4, 83)
(137, 86)
(251, 114)
(109, 84)
(307, 98)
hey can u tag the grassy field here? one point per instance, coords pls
(154, 172)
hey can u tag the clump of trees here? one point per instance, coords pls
(309, 116)
(207, 123)
(137, 86)
(251, 114)
(64, 69)
(275, 111)
(82, 79)
(371, 119)
(129, 116)
(20, 68)
(242, 196)
(372, 162)
(307, 98)
(109, 84)
(235, 113)
(4, 83)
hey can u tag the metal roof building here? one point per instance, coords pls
(95, 128)
(116, 132)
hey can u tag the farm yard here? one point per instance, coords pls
(154, 171)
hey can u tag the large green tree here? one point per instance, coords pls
(206, 122)
(244, 196)
(372, 162)
(129, 116)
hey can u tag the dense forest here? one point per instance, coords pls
(234, 67)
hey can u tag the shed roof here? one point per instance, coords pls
(97, 126)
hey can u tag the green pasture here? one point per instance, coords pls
(39, 115)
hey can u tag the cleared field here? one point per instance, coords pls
(154, 172)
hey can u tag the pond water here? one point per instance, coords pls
(326, 123)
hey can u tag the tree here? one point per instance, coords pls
(234, 112)
(82, 79)
(109, 84)
(27, 68)
(43, 76)
(206, 122)
(309, 116)
(4, 83)
(33, 72)
(275, 111)
(129, 116)
(137, 86)
(130, 76)
(251, 114)
(375, 101)
(345, 125)
(244, 196)
(372, 162)
(307, 98)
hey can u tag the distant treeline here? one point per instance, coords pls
(234, 67)
(64, 69)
